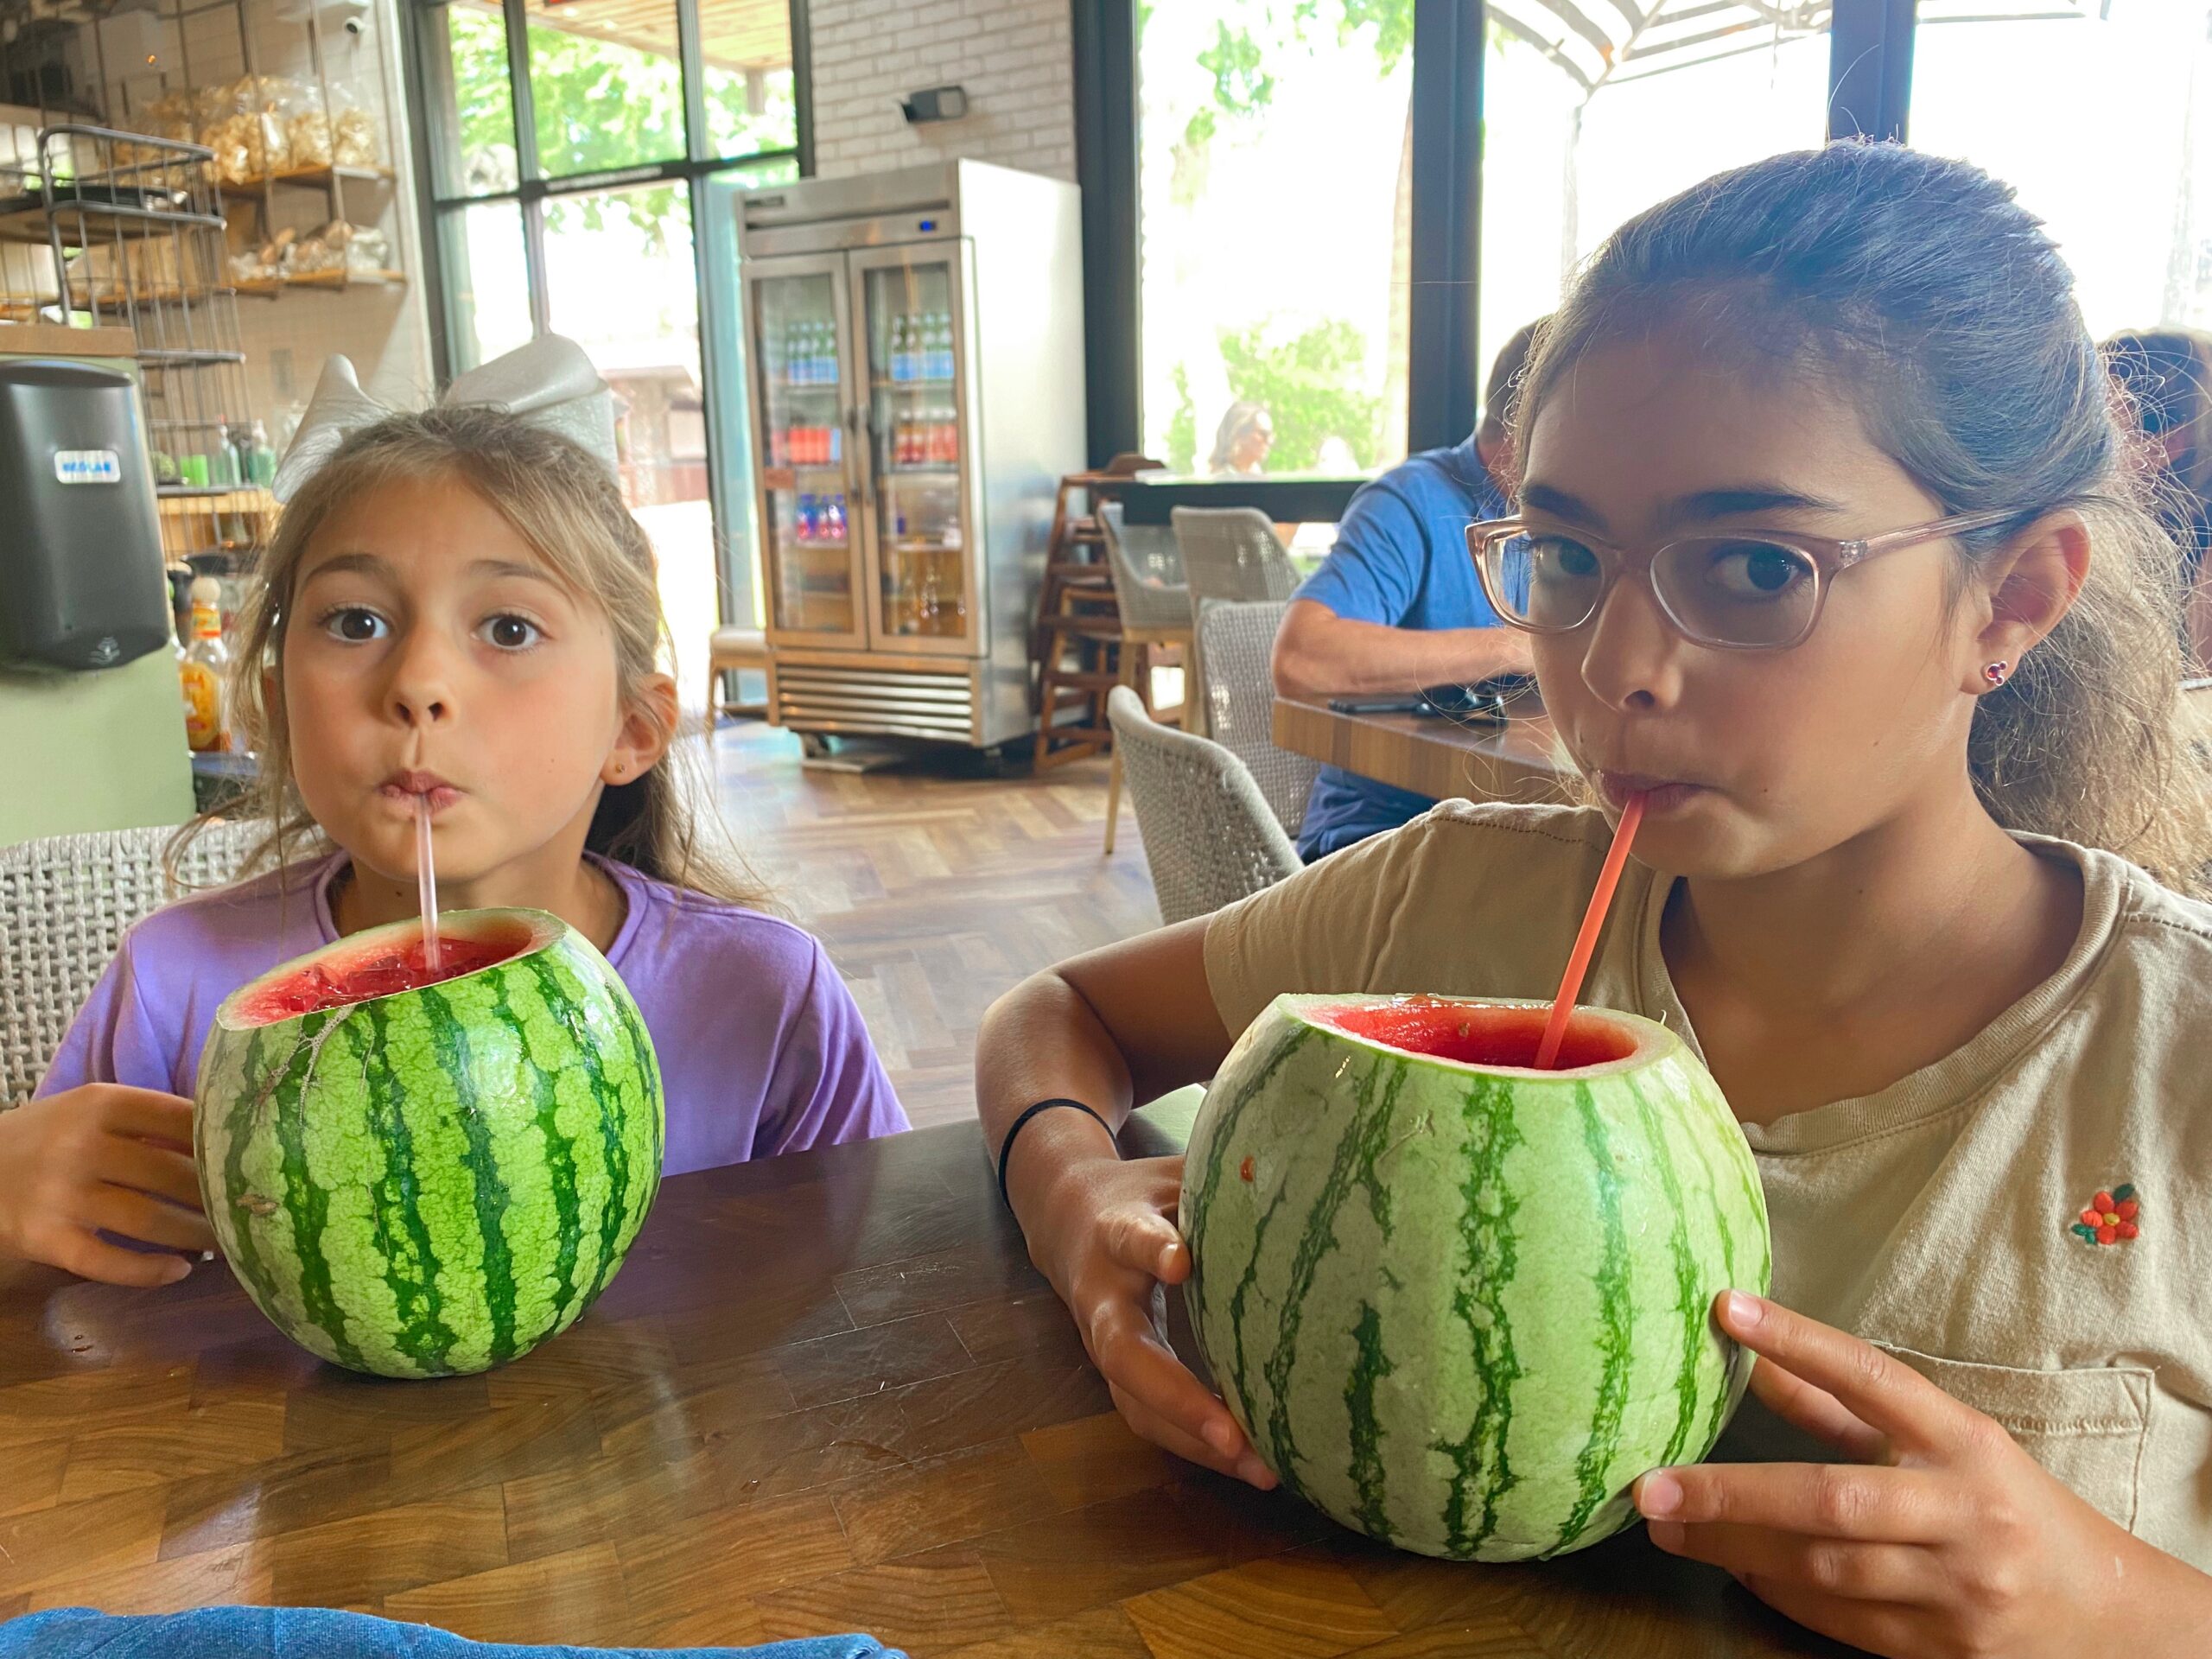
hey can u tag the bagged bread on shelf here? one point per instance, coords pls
(353, 134)
(320, 249)
(247, 125)
(308, 127)
(367, 250)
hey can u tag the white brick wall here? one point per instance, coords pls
(1013, 57)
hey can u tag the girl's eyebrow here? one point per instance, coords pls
(342, 563)
(514, 567)
(1745, 498)
(1703, 504)
(1559, 504)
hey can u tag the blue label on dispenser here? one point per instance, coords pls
(88, 467)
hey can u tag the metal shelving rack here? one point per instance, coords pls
(134, 227)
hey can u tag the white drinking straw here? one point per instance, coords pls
(426, 882)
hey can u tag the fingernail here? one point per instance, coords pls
(1667, 1535)
(1253, 1473)
(1658, 1494)
(1744, 1309)
(1223, 1437)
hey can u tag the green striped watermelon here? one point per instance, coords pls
(423, 1174)
(1458, 1303)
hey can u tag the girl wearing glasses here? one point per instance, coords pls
(1828, 547)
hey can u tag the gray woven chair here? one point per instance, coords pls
(1236, 641)
(65, 905)
(1233, 553)
(1229, 554)
(1146, 564)
(1209, 834)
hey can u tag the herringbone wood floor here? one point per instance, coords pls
(935, 886)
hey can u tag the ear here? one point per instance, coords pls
(648, 728)
(2028, 587)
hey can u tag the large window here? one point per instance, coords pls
(1342, 208)
(1275, 151)
(2099, 113)
(583, 225)
(1585, 126)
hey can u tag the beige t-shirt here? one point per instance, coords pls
(1935, 1218)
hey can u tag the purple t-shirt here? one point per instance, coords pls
(761, 1049)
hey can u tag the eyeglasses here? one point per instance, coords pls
(1750, 590)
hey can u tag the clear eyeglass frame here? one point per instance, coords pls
(1825, 557)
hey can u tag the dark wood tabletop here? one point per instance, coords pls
(826, 1393)
(1436, 756)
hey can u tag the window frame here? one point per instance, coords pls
(728, 468)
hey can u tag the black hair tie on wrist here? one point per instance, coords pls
(1006, 1146)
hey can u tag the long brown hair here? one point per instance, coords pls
(564, 503)
(1923, 291)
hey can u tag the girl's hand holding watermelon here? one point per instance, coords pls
(1940, 1537)
(102, 1159)
(1130, 1021)
(1109, 1250)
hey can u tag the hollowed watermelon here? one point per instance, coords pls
(421, 1174)
(1458, 1303)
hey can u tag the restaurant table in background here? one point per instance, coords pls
(828, 1392)
(1434, 755)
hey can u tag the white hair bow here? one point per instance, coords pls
(548, 383)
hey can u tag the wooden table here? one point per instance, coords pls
(1441, 758)
(826, 1393)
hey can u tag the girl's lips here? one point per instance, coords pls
(1660, 794)
(440, 796)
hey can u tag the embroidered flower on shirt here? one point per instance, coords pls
(2110, 1218)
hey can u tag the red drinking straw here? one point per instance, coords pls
(1586, 942)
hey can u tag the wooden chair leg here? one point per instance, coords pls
(1113, 798)
(1134, 668)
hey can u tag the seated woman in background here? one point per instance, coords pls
(2167, 375)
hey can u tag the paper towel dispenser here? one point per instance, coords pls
(80, 543)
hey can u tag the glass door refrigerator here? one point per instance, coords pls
(916, 354)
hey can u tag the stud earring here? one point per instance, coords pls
(1997, 673)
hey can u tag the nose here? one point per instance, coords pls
(420, 690)
(1632, 660)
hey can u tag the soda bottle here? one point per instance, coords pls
(944, 341)
(899, 351)
(201, 669)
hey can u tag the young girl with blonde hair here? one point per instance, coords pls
(458, 610)
(1829, 549)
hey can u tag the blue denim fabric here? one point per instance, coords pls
(321, 1633)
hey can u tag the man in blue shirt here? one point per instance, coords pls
(1396, 606)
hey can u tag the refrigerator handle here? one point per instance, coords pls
(853, 427)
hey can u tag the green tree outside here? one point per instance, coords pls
(601, 106)
(1309, 384)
